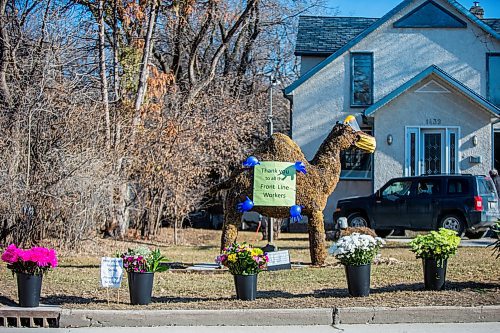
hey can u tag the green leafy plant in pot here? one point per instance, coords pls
(435, 248)
(356, 252)
(245, 262)
(140, 265)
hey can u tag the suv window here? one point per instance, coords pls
(398, 188)
(484, 186)
(428, 187)
(458, 186)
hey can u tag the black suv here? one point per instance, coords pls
(464, 203)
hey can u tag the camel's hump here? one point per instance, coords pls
(280, 148)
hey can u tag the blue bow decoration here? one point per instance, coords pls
(295, 212)
(245, 206)
(300, 167)
(251, 161)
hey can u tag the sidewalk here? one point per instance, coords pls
(57, 317)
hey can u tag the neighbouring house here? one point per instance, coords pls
(424, 80)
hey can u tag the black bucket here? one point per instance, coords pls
(28, 289)
(246, 287)
(140, 286)
(434, 276)
(358, 280)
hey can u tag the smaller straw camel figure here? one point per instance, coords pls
(312, 188)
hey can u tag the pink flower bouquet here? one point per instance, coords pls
(143, 260)
(34, 261)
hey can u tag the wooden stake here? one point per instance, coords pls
(107, 294)
(257, 232)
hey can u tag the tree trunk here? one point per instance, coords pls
(159, 213)
(102, 67)
(123, 214)
(143, 76)
(4, 45)
(176, 232)
(116, 78)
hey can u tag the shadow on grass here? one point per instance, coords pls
(322, 293)
(473, 285)
(293, 239)
(173, 299)
(78, 266)
(305, 247)
(417, 287)
(68, 299)
(397, 246)
(205, 247)
(450, 286)
(7, 301)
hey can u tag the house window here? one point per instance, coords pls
(413, 154)
(356, 164)
(361, 79)
(493, 77)
(453, 153)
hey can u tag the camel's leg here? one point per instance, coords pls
(230, 228)
(317, 246)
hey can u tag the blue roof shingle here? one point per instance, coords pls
(322, 35)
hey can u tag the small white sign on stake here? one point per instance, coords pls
(111, 272)
(278, 260)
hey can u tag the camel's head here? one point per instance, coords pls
(349, 134)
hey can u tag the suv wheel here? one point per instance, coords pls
(357, 220)
(453, 222)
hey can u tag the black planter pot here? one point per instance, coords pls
(358, 280)
(246, 287)
(434, 274)
(140, 286)
(28, 289)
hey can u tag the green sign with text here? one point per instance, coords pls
(274, 184)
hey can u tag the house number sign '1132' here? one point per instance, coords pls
(433, 121)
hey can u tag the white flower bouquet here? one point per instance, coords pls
(356, 249)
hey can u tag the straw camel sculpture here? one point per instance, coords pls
(312, 188)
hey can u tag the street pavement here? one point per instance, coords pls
(465, 242)
(493, 327)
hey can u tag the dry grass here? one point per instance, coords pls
(473, 279)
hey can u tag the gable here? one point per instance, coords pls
(429, 15)
(451, 5)
(436, 74)
(432, 87)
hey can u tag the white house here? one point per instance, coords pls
(424, 79)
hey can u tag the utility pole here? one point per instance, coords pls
(270, 130)
(270, 125)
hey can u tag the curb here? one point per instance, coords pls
(242, 317)
(425, 314)
(262, 317)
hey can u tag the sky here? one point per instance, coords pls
(377, 8)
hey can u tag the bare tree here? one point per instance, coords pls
(189, 96)
(103, 73)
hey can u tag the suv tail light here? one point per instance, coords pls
(478, 203)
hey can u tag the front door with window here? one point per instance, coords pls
(431, 151)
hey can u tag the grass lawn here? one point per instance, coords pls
(473, 278)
